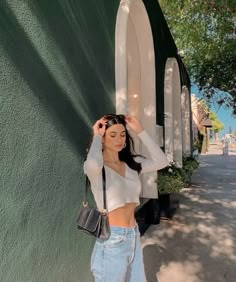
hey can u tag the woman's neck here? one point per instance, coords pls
(110, 157)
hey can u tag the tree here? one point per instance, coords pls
(205, 34)
(217, 125)
(206, 113)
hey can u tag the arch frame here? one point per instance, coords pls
(132, 15)
(172, 112)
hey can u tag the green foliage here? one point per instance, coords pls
(169, 184)
(190, 163)
(197, 143)
(204, 32)
(217, 125)
(170, 179)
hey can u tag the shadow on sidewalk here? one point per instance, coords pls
(199, 243)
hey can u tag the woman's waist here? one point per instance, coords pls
(123, 216)
(124, 231)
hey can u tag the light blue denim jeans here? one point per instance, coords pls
(120, 258)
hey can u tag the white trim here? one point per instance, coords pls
(121, 57)
(172, 105)
(185, 105)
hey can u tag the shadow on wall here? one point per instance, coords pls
(70, 114)
(52, 94)
(199, 244)
(81, 32)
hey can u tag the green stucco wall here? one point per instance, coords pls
(56, 79)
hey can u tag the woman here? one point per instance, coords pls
(120, 257)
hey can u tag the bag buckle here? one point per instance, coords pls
(104, 211)
(85, 204)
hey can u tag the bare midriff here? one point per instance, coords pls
(123, 216)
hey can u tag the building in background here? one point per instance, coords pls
(200, 125)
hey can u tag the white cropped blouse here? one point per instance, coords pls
(120, 190)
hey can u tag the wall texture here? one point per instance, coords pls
(56, 78)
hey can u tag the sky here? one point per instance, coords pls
(223, 114)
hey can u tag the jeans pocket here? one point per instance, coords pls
(114, 241)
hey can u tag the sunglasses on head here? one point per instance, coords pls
(111, 116)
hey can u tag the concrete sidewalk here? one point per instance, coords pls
(198, 244)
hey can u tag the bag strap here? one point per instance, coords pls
(87, 186)
(104, 190)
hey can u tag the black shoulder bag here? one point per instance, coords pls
(91, 220)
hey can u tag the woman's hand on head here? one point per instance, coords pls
(133, 124)
(99, 127)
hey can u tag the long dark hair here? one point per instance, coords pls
(127, 154)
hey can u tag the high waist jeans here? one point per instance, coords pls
(120, 258)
